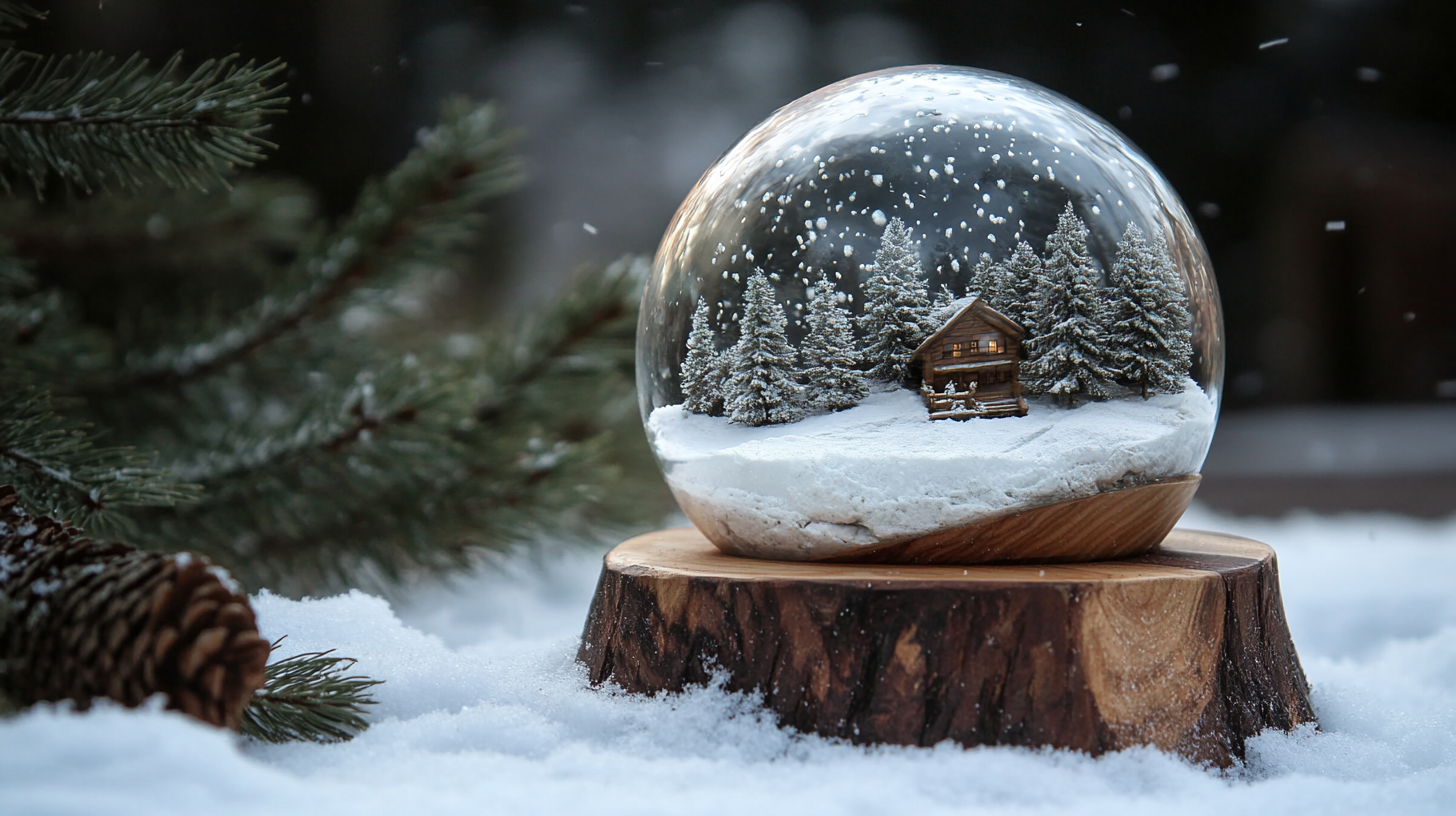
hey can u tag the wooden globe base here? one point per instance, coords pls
(1102, 527)
(1185, 648)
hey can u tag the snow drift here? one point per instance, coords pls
(484, 710)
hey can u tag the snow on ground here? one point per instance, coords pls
(485, 711)
(882, 472)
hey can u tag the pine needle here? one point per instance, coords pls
(94, 123)
(15, 16)
(309, 697)
(57, 467)
(421, 213)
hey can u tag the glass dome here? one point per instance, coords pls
(916, 299)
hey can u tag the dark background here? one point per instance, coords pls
(623, 104)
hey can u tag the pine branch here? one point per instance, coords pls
(596, 307)
(94, 123)
(160, 247)
(331, 458)
(14, 277)
(323, 426)
(41, 345)
(57, 468)
(22, 310)
(421, 212)
(309, 697)
(18, 16)
(444, 459)
(140, 270)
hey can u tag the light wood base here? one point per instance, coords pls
(1110, 525)
(1185, 648)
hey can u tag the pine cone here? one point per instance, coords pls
(90, 620)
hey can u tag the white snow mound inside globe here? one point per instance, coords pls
(880, 472)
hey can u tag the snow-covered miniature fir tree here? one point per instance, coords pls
(702, 370)
(1180, 320)
(1068, 352)
(760, 387)
(897, 315)
(830, 361)
(1021, 274)
(1152, 331)
(988, 282)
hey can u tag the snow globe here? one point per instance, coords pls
(931, 315)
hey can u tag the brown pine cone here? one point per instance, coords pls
(90, 620)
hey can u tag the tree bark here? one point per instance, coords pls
(1185, 648)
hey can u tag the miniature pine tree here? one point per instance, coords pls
(1020, 277)
(1151, 328)
(702, 380)
(897, 315)
(987, 281)
(831, 362)
(1068, 355)
(1180, 332)
(760, 388)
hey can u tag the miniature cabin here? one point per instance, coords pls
(971, 366)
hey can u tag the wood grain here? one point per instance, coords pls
(1184, 648)
(1110, 525)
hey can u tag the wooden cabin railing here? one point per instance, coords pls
(964, 404)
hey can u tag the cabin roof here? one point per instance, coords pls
(982, 308)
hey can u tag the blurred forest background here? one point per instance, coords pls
(621, 105)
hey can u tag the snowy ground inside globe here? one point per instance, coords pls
(882, 472)
(485, 711)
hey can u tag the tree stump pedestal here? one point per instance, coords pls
(1185, 648)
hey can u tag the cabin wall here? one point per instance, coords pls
(966, 330)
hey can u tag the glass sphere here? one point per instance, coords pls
(917, 299)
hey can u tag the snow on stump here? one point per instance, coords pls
(1184, 648)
